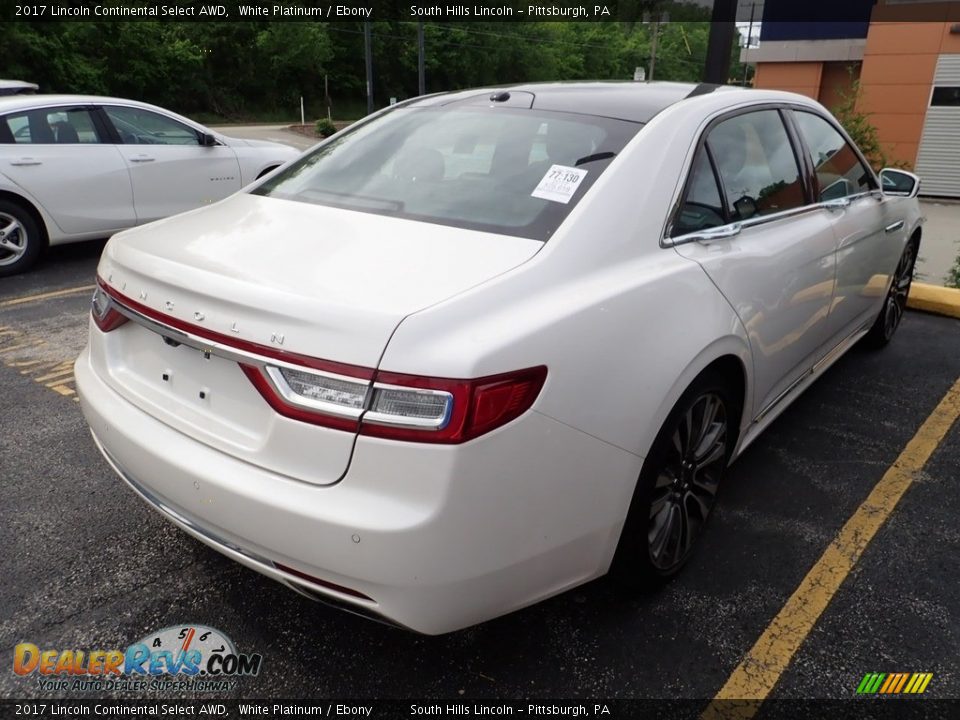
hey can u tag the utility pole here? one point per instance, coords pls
(720, 42)
(655, 36)
(746, 54)
(421, 62)
(653, 46)
(368, 57)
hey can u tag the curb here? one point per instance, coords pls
(934, 299)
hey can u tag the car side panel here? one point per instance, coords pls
(779, 277)
(83, 188)
(170, 179)
(621, 344)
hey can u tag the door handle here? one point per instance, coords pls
(893, 227)
(142, 159)
(838, 204)
(23, 162)
(717, 233)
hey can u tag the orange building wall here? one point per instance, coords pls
(896, 75)
(836, 81)
(899, 63)
(798, 77)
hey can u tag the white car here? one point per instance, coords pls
(74, 167)
(17, 87)
(486, 346)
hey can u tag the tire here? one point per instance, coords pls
(20, 239)
(678, 485)
(895, 303)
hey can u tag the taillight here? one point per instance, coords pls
(396, 406)
(104, 311)
(439, 410)
(317, 397)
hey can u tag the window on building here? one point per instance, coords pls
(945, 97)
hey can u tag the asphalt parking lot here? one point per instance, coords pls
(86, 564)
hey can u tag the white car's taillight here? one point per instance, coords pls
(441, 410)
(413, 408)
(320, 391)
(103, 310)
(399, 407)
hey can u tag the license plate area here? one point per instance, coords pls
(189, 387)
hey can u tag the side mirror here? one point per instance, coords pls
(899, 183)
(207, 139)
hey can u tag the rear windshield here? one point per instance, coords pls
(505, 170)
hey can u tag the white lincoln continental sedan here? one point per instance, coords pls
(485, 346)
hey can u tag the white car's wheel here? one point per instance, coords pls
(20, 239)
(895, 304)
(678, 484)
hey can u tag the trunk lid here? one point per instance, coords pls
(298, 278)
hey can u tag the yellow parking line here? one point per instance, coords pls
(59, 382)
(46, 296)
(19, 346)
(762, 667)
(64, 368)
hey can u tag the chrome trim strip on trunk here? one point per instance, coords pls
(270, 369)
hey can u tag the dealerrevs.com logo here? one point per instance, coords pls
(187, 657)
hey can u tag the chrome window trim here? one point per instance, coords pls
(666, 241)
(744, 225)
(763, 219)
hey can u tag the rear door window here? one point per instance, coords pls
(137, 126)
(757, 165)
(840, 172)
(50, 126)
(702, 206)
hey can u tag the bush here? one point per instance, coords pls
(953, 275)
(858, 126)
(325, 128)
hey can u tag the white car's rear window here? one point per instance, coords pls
(505, 170)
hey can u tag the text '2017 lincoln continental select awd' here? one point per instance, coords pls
(485, 346)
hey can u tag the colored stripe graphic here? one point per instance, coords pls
(894, 683)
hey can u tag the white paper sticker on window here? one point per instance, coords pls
(559, 184)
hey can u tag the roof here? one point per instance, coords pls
(633, 101)
(12, 87)
(18, 102)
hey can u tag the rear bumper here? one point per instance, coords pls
(435, 537)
